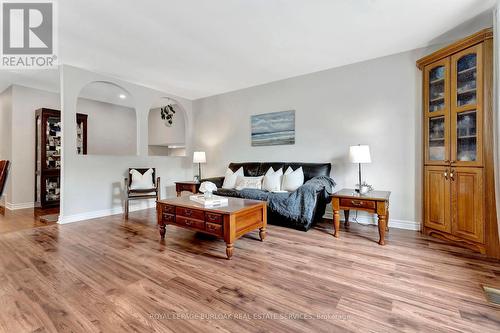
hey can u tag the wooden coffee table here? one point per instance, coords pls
(229, 223)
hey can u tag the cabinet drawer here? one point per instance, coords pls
(167, 209)
(169, 218)
(187, 222)
(190, 213)
(357, 203)
(213, 228)
(213, 218)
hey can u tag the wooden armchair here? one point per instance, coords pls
(136, 194)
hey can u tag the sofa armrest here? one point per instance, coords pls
(218, 181)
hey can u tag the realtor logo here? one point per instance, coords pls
(28, 35)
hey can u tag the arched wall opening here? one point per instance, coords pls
(166, 128)
(107, 120)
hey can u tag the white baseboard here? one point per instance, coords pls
(104, 212)
(24, 205)
(393, 223)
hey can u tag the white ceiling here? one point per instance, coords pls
(198, 48)
(41, 79)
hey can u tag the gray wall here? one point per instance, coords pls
(161, 135)
(112, 129)
(19, 137)
(376, 102)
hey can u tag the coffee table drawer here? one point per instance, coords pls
(190, 213)
(213, 228)
(357, 203)
(187, 222)
(168, 209)
(213, 218)
(169, 218)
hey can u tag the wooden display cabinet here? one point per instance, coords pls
(48, 154)
(459, 199)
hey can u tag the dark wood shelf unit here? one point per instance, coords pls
(48, 155)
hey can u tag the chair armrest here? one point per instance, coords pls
(218, 181)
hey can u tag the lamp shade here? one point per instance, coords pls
(360, 154)
(199, 157)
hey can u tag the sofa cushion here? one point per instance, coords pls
(272, 180)
(264, 167)
(228, 193)
(292, 179)
(311, 170)
(248, 182)
(249, 169)
(230, 178)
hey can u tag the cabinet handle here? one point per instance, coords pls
(188, 222)
(451, 174)
(188, 212)
(446, 175)
(356, 203)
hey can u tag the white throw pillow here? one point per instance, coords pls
(142, 181)
(230, 178)
(292, 180)
(248, 182)
(272, 180)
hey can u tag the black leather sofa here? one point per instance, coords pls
(255, 169)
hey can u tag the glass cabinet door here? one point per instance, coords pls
(53, 143)
(436, 109)
(466, 110)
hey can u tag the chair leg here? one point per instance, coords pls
(126, 208)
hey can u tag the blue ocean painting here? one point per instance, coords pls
(275, 128)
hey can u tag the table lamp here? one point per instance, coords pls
(359, 154)
(199, 157)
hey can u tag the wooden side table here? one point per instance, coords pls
(189, 185)
(376, 202)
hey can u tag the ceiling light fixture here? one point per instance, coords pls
(122, 96)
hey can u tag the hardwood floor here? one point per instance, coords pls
(111, 275)
(14, 220)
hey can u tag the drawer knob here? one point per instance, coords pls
(188, 212)
(188, 222)
(356, 203)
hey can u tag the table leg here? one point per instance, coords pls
(336, 223)
(382, 225)
(346, 217)
(387, 224)
(262, 233)
(163, 230)
(229, 250)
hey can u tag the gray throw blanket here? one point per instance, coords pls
(298, 207)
